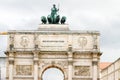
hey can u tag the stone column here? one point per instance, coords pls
(70, 71)
(11, 69)
(95, 70)
(11, 64)
(35, 70)
(98, 68)
(36, 65)
(70, 63)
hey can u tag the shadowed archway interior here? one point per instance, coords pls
(53, 74)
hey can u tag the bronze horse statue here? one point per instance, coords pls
(53, 18)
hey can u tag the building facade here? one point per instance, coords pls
(2, 67)
(75, 53)
(112, 72)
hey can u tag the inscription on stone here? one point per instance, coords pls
(53, 43)
(82, 70)
(23, 69)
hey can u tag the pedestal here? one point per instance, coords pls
(53, 27)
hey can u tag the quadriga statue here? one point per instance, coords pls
(53, 18)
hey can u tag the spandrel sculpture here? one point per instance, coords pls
(53, 18)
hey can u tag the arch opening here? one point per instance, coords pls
(53, 74)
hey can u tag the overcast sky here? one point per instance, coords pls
(101, 15)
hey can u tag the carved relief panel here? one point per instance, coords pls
(82, 71)
(82, 42)
(63, 64)
(24, 41)
(23, 69)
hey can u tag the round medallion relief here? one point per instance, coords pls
(24, 41)
(82, 41)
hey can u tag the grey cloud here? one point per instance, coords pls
(101, 15)
(3, 27)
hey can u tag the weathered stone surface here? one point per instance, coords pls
(72, 52)
(54, 40)
(53, 27)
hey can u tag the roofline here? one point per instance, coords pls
(54, 32)
(112, 63)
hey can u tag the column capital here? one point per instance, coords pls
(70, 62)
(66, 78)
(70, 58)
(10, 53)
(35, 55)
(36, 52)
(94, 62)
(69, 48)
(70, 54)
(11, 61)
(35, 61)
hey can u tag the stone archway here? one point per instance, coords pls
(53, 69)
(52, 74)
(75, 53)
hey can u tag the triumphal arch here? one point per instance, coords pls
(53, 45)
